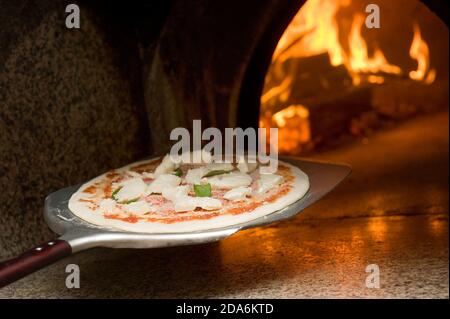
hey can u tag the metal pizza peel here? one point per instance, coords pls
(77, 235)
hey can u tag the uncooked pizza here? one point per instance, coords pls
(164, 196)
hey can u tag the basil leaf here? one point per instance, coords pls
(129, 201)
(178, 172)
(203, 190)
(215, 172)
(113, 195)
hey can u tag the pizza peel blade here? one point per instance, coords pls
(77, 234)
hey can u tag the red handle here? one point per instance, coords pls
(33, 260)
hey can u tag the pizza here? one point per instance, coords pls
(162, 196)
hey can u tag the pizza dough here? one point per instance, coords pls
(159, 196)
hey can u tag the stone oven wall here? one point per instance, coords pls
(69, 109)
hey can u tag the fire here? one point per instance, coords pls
(289, 113)
(294, 127)
(313, 31)
(359, 60)
(281, 91)
(419, 51)
(316, 27)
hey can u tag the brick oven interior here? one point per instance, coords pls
(75, 103)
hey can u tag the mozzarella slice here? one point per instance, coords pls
(188, 203)
(208, 203)
(219, 167)
(131, 189)
(238, 193)
(230, 180)
(138, 208)
(166, 166)
(267, 182)
(194, 176)
(171, 193)
(184, 203)
(196, 157)
(246, 166)
(108, 206)
(162, 182)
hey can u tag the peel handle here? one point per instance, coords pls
(33, 260)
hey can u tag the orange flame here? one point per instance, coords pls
(359, 60)
(419, 51)
(290, 112)
(313, 31)
(294, 127)
(316, 24)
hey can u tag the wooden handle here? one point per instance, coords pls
(33, 260)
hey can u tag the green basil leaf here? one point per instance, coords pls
(215, 172)
(178, 172)
(113, 195)
(129, 201)
(202, 190)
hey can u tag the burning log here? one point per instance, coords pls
(310, 77)
(332, 115)
(399, 99)
(317, 77)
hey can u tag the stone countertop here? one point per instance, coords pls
(392, 211)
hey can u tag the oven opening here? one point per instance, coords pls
(332, 76)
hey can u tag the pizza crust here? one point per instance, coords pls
(82, 209)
